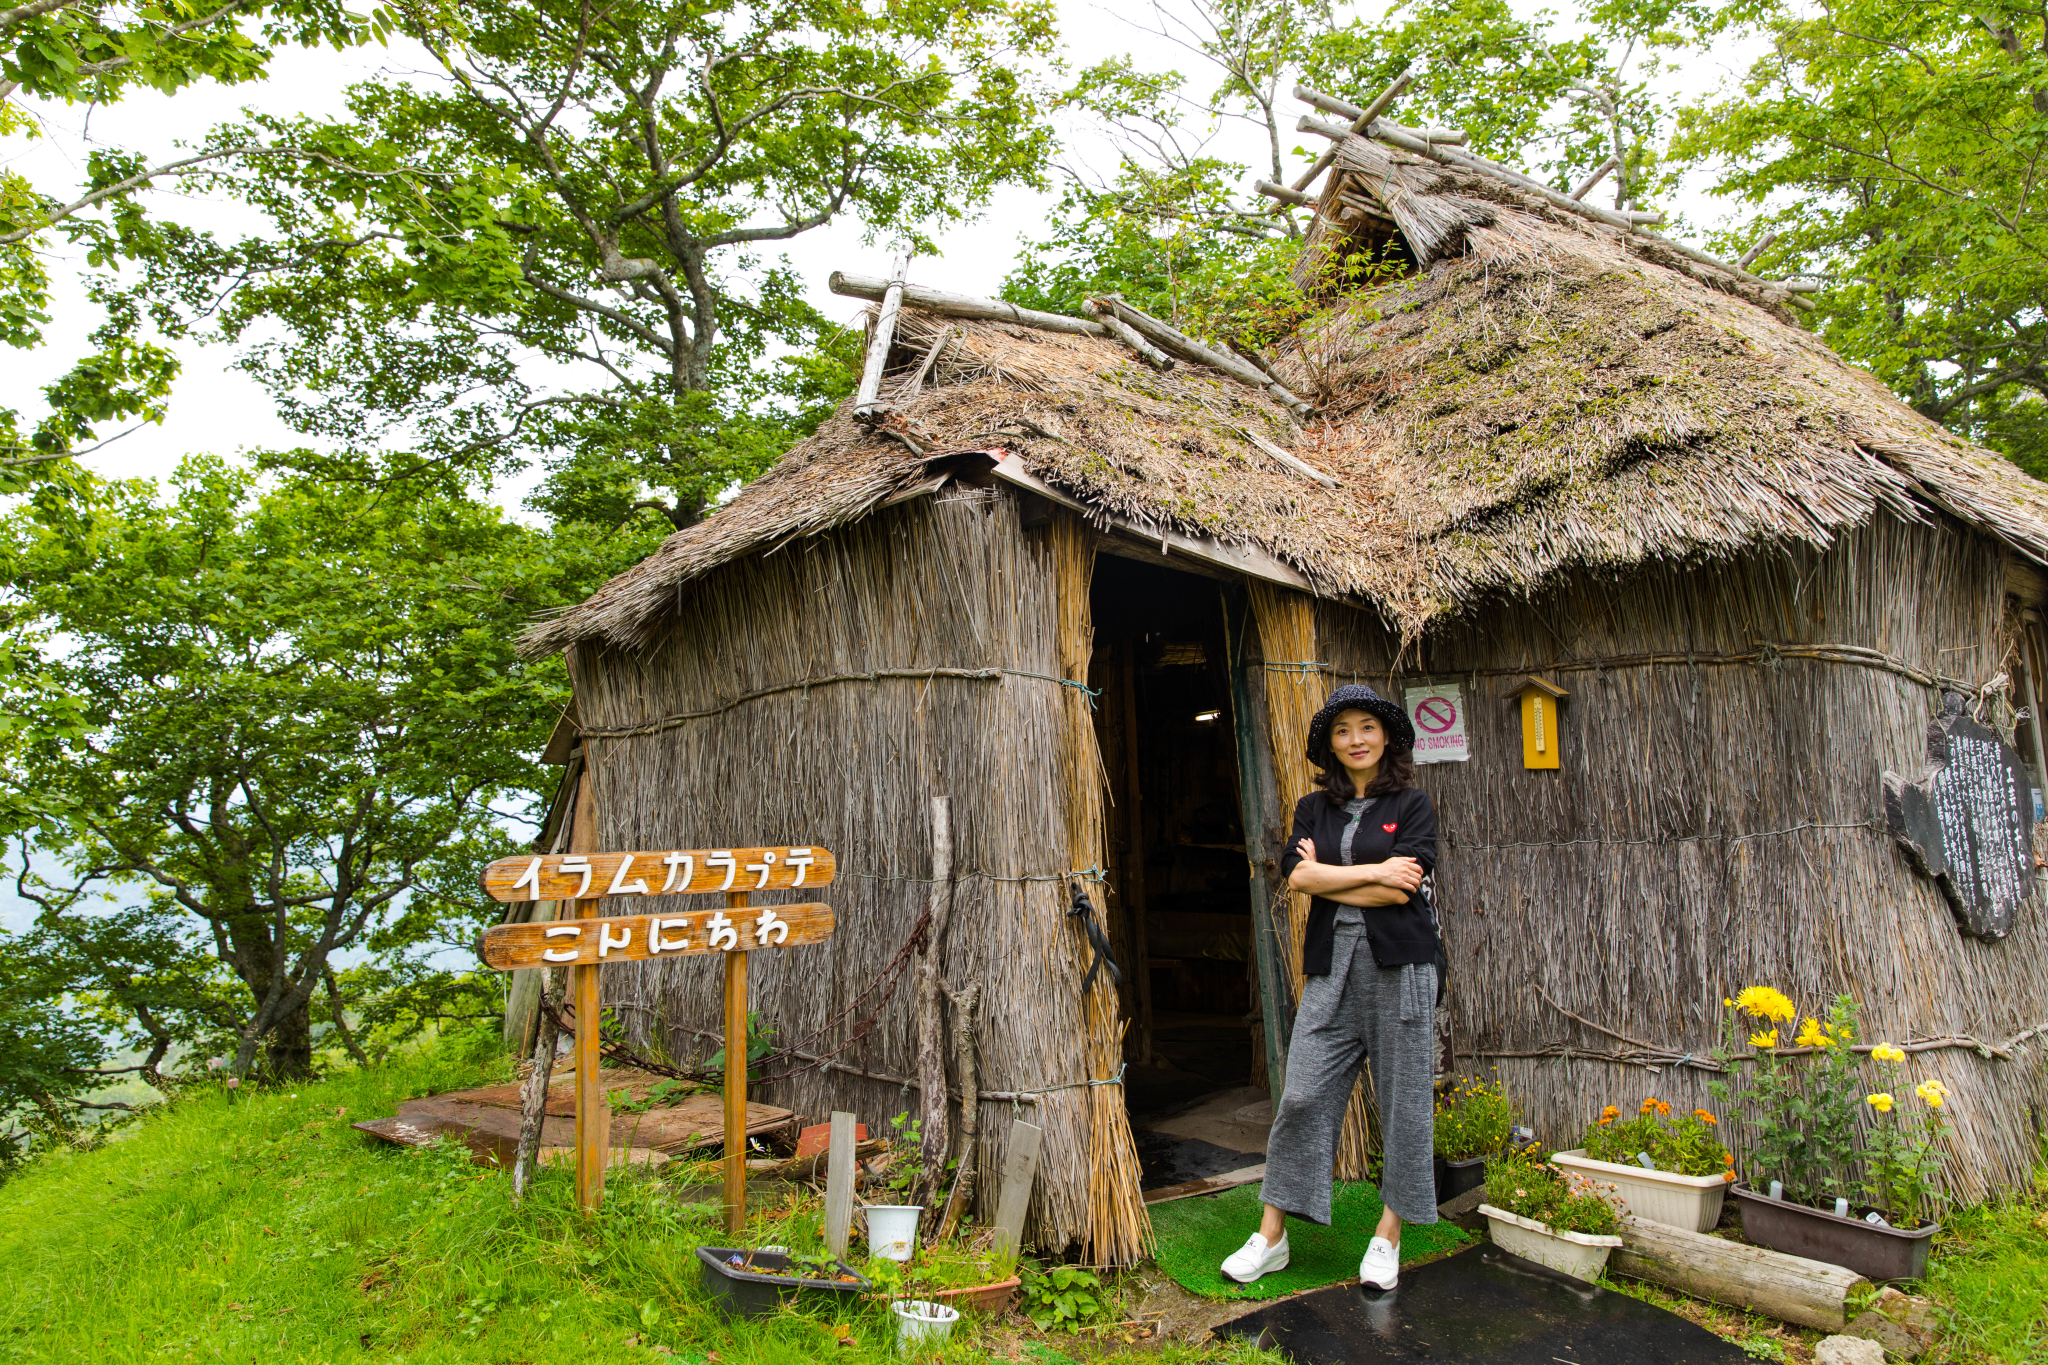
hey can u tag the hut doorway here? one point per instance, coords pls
(1176, 849)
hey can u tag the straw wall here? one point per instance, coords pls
(946, 583)
(1718, 825)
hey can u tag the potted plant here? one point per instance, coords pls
(1670, 1171)
(1473, 1121)
(892, 1228)
(753, 1283)
(1806, 1105)
(1542, 1213)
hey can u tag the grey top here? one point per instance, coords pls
(1355, 809)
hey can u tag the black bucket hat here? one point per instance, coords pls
(1358, 697)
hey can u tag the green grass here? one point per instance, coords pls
(1196, 1234)
(266, 1230)
(1989, 1274)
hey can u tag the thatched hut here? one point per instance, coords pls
(1094, 602)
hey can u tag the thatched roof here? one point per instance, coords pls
(1540, 392)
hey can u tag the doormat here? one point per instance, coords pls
(1196, 1234)
(1481, 1305)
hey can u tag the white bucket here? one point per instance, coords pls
(892, 1230)
(922, 1323)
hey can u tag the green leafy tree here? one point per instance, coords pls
(92, 50)
(560, 247)
(294, 721)
(1895, 150)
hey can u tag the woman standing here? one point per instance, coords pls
(1364, 848)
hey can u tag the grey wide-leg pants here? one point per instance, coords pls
(1359, 1010)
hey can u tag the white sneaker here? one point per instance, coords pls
(1381, 1266)
(1255, 1258)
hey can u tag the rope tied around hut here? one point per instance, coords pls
(805, 684)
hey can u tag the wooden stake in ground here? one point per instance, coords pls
(965, 1002)
(533, 1098)
(931, 1040)
(839, 1184)
(593, 1132)
(735, 1081)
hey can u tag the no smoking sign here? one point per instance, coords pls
(1438, 712)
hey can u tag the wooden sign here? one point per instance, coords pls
(509, 947)
(1968, 820)
(692, 871)
(586, 944)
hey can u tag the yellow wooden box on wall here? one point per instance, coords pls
(1540, 699)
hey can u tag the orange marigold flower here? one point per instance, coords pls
(1704, 1117)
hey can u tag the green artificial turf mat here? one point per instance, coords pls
(1196, 1234)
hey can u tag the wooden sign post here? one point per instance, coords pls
(587, 944)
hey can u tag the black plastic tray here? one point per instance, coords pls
(750, 1294)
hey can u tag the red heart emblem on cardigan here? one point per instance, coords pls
(1388, 828)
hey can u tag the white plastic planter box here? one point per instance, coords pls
(1692, 1202)
(1582, 1255)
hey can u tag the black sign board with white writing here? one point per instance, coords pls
(1968, 820)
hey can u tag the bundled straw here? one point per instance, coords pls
(1294, 692)
(1119, 1230)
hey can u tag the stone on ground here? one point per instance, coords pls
(1848, 1351)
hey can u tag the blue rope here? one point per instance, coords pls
(1093, 692)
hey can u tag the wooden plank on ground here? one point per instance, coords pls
(1792, 1288)
(1020, 1170)
(1214, 1184)
(839, 1185)
(696, 1122)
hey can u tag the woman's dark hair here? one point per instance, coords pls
(1397, 773)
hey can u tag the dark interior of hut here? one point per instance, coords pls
(1177, 882)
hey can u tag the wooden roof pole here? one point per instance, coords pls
(1407, 141)
(1598, 174)
(1381, 103)
(1187, 348)
(1362, 119)
(962, 305)
(867, 402)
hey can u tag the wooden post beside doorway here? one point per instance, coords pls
(736, 1043)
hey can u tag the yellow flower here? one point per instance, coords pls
(1811, 1034)
(1648, 1105)
(1881, 1102)
(1761, 1002)
(1726, 1001)
(1934, 1092)
(1885, 1052)
(1766, 1039)
(1609, 1112)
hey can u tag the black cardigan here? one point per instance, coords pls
(1402, 825)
